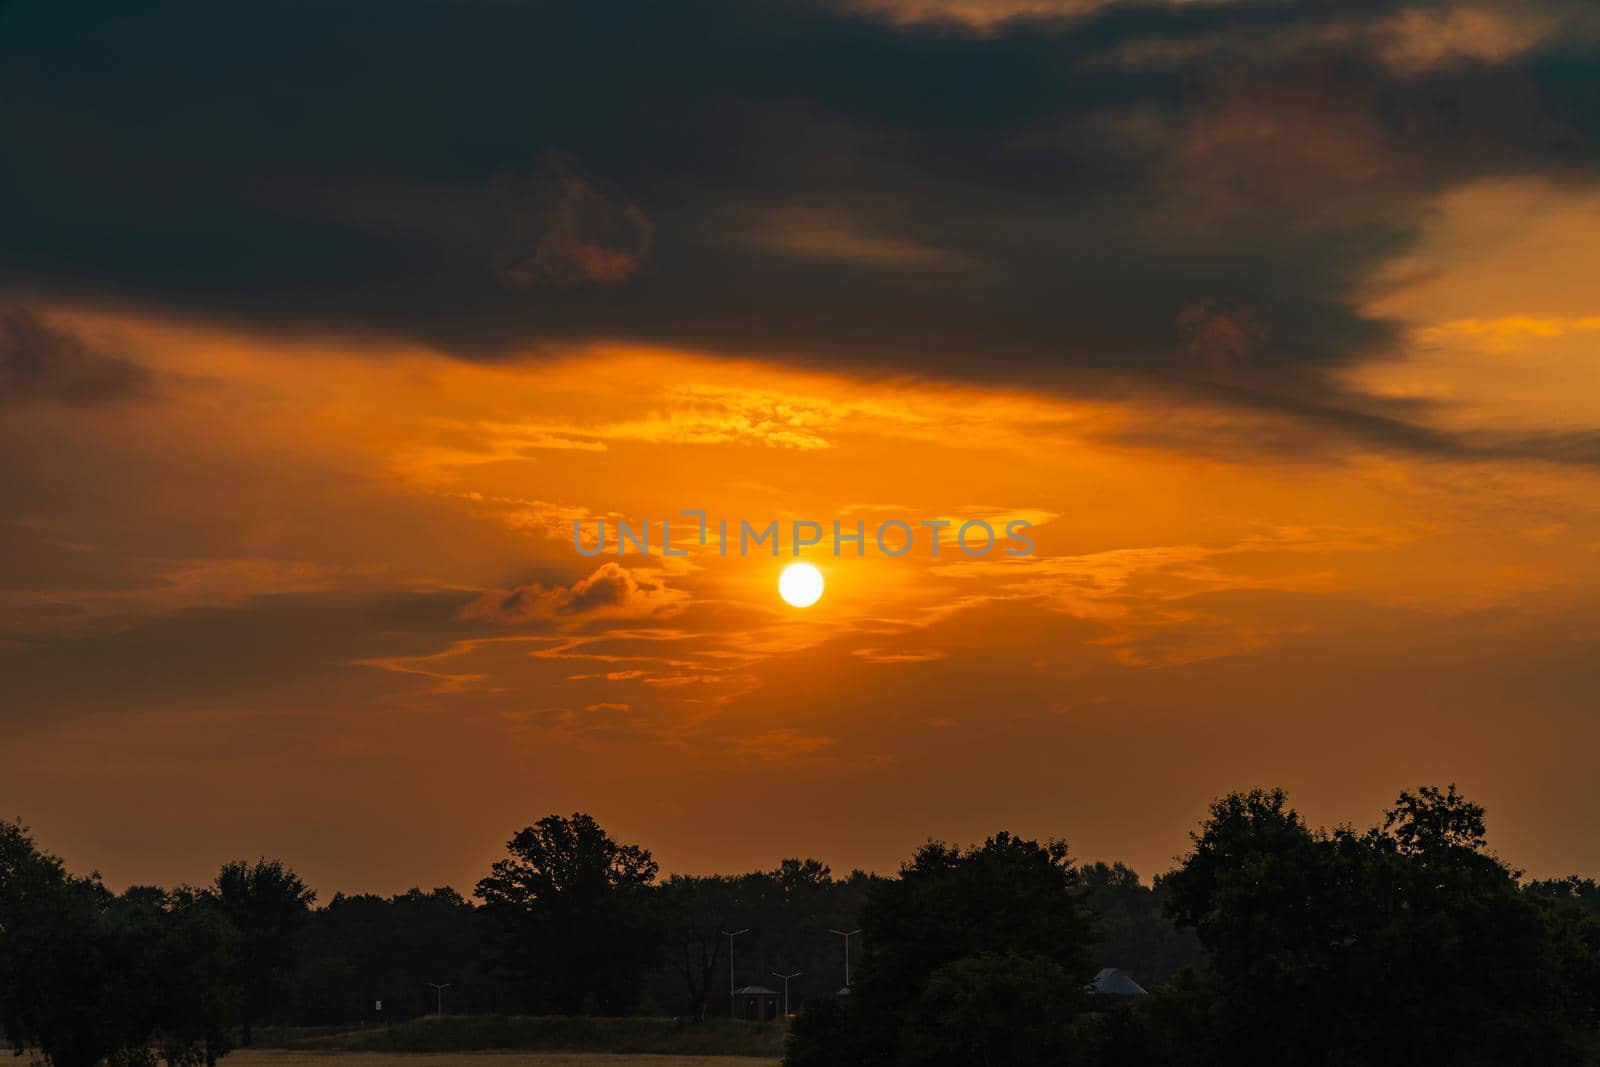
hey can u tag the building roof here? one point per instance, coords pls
(755, 991)
(1115, 983)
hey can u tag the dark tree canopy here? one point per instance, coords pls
(267, 904)
(87, 976)
(561, 859)
(364, 949)
(943, 946)
(1407, 943)
(695, 913)
(1006, 895)
(1431, 822)
(994, 1010)
(1273, 942)
(569, 910)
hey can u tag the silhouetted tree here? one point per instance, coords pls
(993, 1010)
(1404, 944)
(1436, 823)
(694, 913)
(1583, 893)
(31, 885)
(171, 965)
(198, 992)
(1571, 908)
(570, 910)
(267, 904)
(87, 976)
(363, 948)
(53, 957)
(953, 914)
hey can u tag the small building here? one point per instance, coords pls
(1112, 982)
(756, 1003)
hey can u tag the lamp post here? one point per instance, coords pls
(786, 978)
(730, 935)
(847, 935)
(438, 989)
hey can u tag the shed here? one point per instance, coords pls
(1115, 983)
(756, 1003)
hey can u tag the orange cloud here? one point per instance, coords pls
(779, 746)
(357, 548)
(611, 592)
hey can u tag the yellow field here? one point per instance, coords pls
(278, 1058)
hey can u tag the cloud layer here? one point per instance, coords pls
(1194, 192)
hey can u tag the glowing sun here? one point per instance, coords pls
(800, 584)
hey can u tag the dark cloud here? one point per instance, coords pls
(1194, 191)
(1385, 424)
(1220, 337)
(571, 233)
(266, 652)
(612, 591)
(41, 363)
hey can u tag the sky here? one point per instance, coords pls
(321, 326)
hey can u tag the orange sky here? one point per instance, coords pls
(261, 612)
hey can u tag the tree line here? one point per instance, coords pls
(1407, 942)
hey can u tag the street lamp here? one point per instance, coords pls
(439, 989)
(786, 978)
(730, 935)
(847, 935)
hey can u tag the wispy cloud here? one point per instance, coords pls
(44, 363)
(611, 592)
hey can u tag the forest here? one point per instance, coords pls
(1407, 942)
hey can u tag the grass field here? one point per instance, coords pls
(608, 1042)
(290, 1058)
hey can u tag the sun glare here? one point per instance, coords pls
(800, 584)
